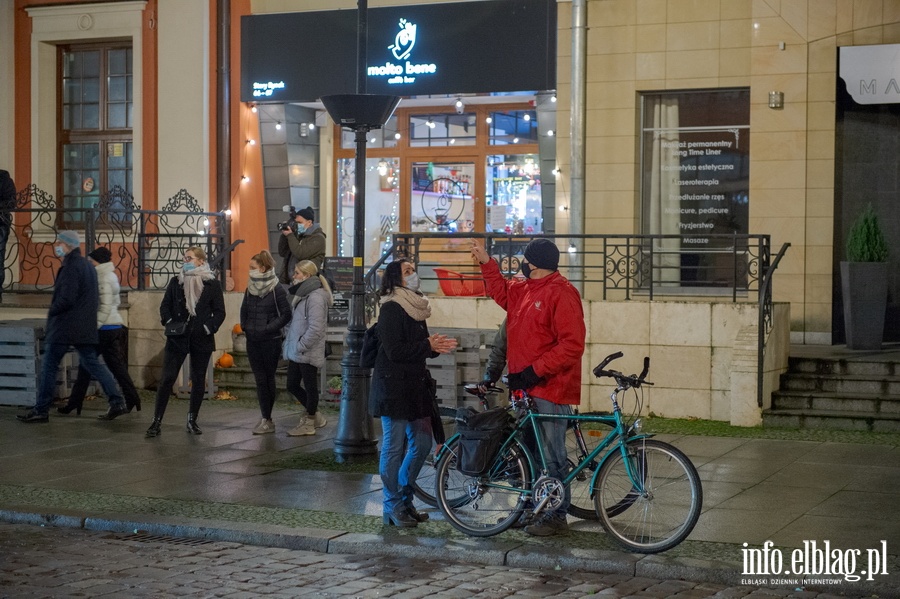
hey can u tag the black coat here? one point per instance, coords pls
(263, 317)
(400, 379)
(210, 313)
(72, 318)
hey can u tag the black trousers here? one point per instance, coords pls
(306, 393)
(263, 357)
(113, 348)
(172, 361)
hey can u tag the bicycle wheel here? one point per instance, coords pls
(483, 506)
(423, 487)
(665, 513)
(581, 504)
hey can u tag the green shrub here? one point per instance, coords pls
(866, 241)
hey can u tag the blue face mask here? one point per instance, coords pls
(301, 229)
(59, 251)
(188, 266)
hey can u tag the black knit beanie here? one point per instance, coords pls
(542, 253)
(307, 213)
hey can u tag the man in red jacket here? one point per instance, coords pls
(545, 341)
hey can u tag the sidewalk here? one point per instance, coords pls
(82, 472)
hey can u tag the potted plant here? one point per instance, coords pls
(864, 282)
(334, 385)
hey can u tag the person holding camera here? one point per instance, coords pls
(302, 239)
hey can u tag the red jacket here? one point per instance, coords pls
(545, 330)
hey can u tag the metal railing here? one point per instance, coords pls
(604, 266)
(147, 245)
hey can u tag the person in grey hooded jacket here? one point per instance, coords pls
(304, 343)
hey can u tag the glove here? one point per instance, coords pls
(526, 379)
(484, 385)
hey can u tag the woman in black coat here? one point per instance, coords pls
(193, 296)
(264, 312)
(401, 393)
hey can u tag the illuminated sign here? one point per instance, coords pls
(422, 49)
(405, 72)
(872, 73)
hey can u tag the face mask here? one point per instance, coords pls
(526, 270)
(412, 282)
(301, 229)
(188, 266)
(254, 273)
(59, 251)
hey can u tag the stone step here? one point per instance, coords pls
(831, 420)
(829, 401)
(871, 365)
(851, 384)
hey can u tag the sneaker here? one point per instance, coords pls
(319, 420)
(265, 426)
(547, 526)
(306, 427)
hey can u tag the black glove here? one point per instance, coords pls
(526, 379)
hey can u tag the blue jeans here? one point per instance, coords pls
(87, 357)
(399, 470)
(553, 434)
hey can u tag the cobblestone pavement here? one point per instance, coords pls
(56, 562)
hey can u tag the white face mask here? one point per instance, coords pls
(255, 273)
(412, 282)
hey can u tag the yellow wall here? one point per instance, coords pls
(636, 46)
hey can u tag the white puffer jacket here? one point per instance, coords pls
(108, 312)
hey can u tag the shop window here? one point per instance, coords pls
(442, 197)
(513, 127)
(430, 130)
(97, 108)
(386, 137)
(695, 165)
(382, 205)
(513, 194)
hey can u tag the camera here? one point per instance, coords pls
(289, 224)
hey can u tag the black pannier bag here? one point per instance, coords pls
(480, 436)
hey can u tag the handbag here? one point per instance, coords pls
(176, 328)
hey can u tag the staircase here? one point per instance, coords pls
(839, 389)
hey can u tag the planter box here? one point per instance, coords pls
(864, 288)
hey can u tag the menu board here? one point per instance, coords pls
(339, 270)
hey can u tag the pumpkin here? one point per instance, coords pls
(237, 330)
(226, 361)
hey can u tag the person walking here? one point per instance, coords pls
(304, 343)
(112, 336)
(302, 240)
(401, 389)
(193, 297)
(265, 311)
(7, 203)
(545, 343)
(72, 321)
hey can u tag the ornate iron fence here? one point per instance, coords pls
(147, 245)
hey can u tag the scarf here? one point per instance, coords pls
(301, 290)
(415, 304)
(261, 286)
(192, 281)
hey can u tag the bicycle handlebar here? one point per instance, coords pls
(623, 380)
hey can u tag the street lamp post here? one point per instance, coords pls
(360, 113)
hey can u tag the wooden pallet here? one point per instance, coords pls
(20, 346)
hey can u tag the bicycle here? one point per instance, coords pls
(577, 441)
(647, 493)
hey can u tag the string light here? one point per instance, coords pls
(556, 171)
(550, 133)
(397, 135)
(245, 179)
(312, 126)
(572, 248)
(278, 125)
(527, 117)
(515, 140)
(553, 98)
(253, 108)
(488, 120)
(251, 142)
(228, 212)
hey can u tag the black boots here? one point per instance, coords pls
(155, 428)
(67, 409)
(192, 425)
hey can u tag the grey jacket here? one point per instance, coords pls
(304, 342)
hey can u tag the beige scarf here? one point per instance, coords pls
(264, 283)
(192, 281)
(416, 305)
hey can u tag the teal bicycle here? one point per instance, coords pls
(647, 493)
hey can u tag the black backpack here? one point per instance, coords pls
(370, 347)
(480, 437)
